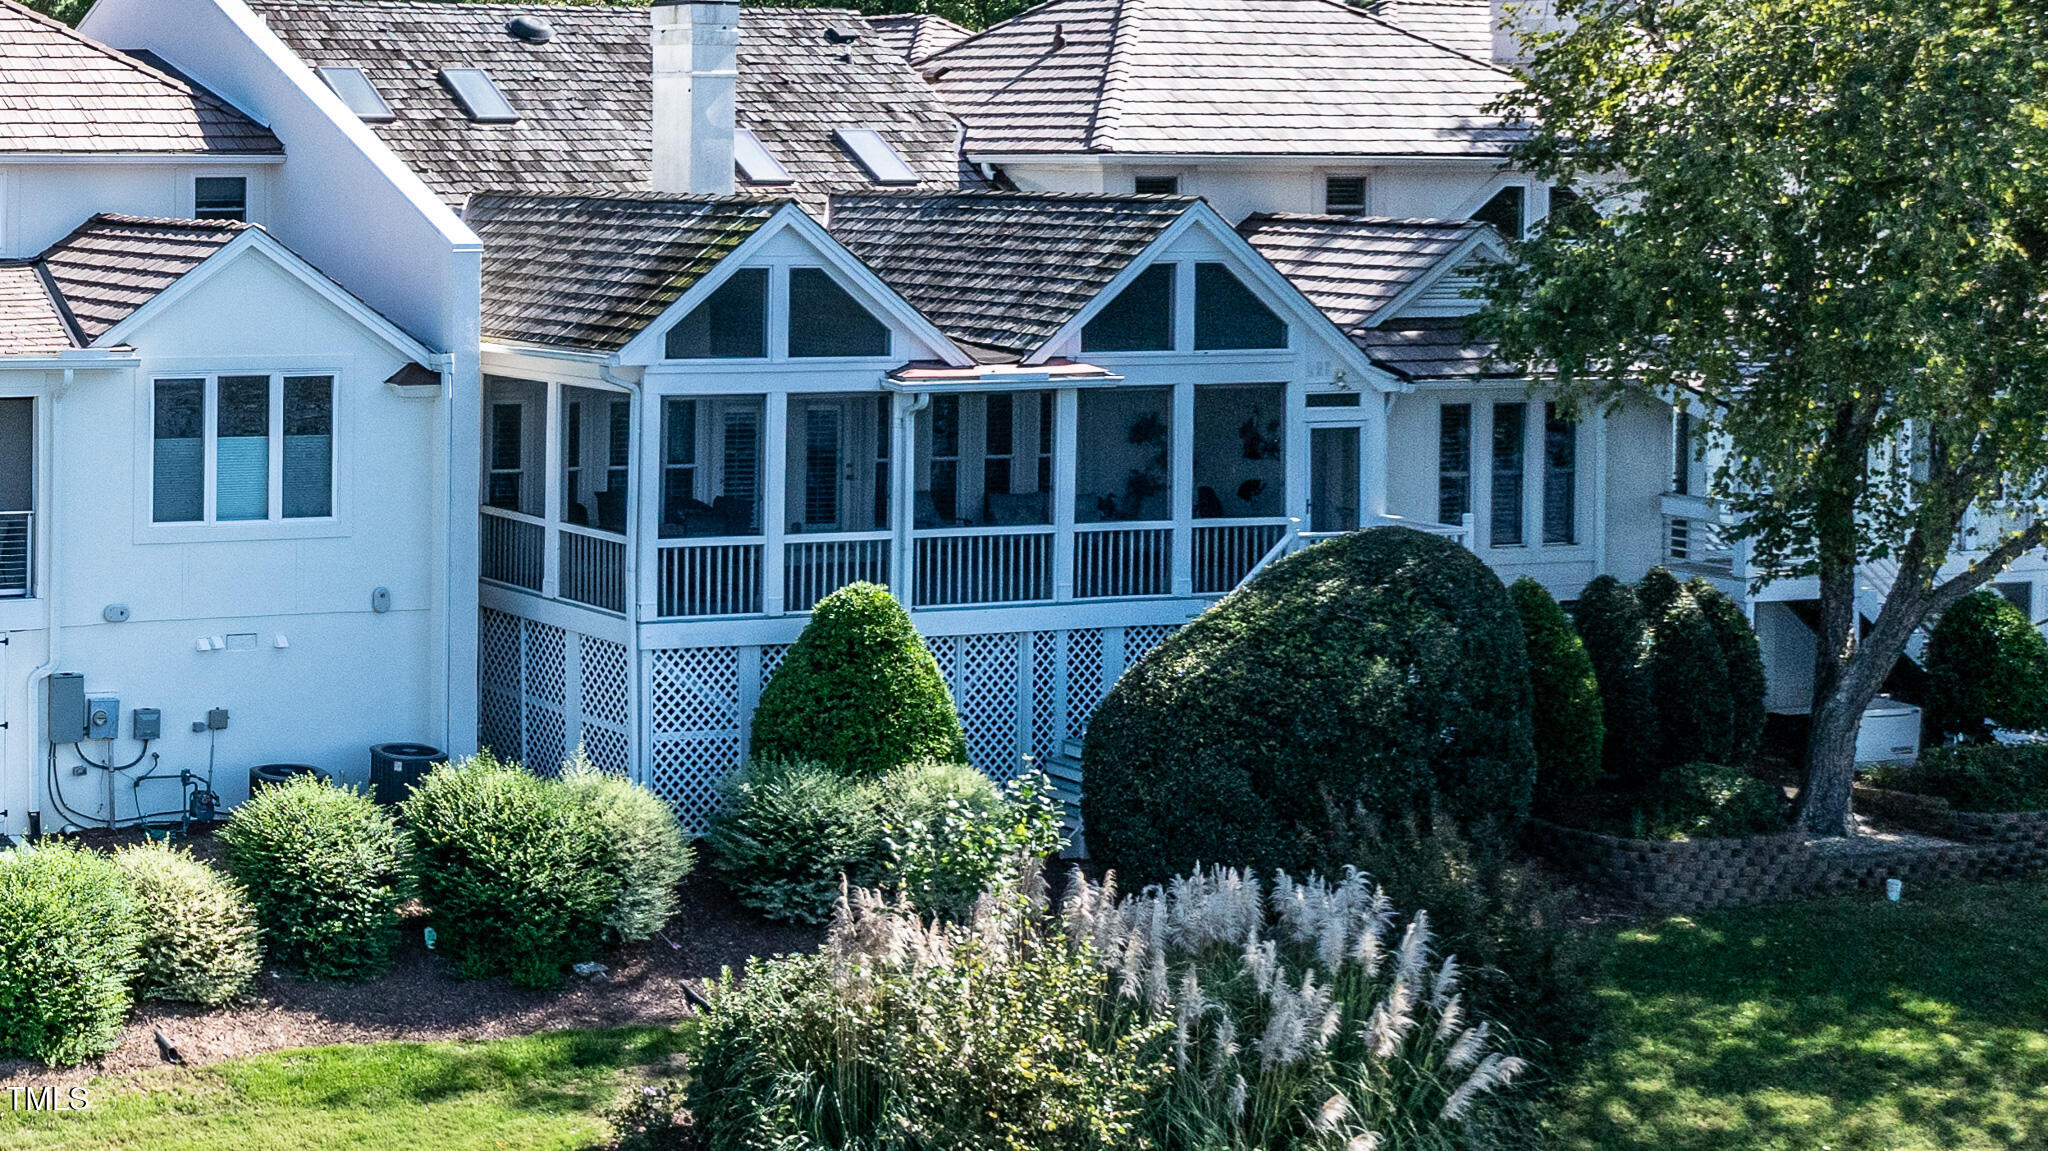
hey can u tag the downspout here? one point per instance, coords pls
(51, 632)
(642, 739)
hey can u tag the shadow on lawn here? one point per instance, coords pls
(1849, 1023)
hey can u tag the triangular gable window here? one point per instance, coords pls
(1229, 315)
(825, 319)
(1139, 319)
(730, 323)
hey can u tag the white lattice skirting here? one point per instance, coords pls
(1020, 694)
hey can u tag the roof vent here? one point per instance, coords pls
(529, 29)
(1059, 37)
(841, 35)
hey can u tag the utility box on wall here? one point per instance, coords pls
(65, 715)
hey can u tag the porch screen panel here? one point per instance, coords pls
(178, 490)
(678, 458)
(1122, 467)
(741, 473)
(825, 319)
(1138, 319)
(821, 466)
(308, 447)
(731, 323)
(1510, 423)
(1240, 454)
(1453, 462)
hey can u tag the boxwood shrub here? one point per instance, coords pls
(70, 939)
(858, 691)
(1564, 696)
(200, 941)
(645, 848)
(514, 870)
(1383, 670)
(1986, 665)
(1976, 777)
(327, 870)
(1609, 619)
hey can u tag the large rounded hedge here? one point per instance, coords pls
(1564, 695)
(858, 691)
(70, 939)
(1986, 665)
(1382, 670)
(1610, 623)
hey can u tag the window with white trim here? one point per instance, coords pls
(242, 447)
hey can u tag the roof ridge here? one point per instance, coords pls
(1382, 21)
(182, 85)
(1108, 114)
(1027, 14)
(186, 223)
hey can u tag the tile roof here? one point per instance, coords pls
(585, 97)
(1238, 77)
(1000, 272)
(1352, 266)
(30, 323)
(61, 92)
(112, 265)
(593, 271)
(1462, 25)
(918, 34)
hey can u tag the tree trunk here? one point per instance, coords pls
(1831, 760)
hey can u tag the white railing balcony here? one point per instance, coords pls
(708, 577)
(1121, 560)
(1225, 553)
(17, 554)
(512, 549)
(959, 566)
(593, 568)
(1696, 536)
(815, 566)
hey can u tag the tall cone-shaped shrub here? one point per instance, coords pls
(1689, 683)
(1745, 658)
(1610, 622)
(858, 691)
(1564, 695)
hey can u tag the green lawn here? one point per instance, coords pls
(1844, 1024)
(542, 1091)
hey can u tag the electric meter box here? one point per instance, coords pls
(103, 718)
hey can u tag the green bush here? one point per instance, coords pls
(950, 834)
(1689, 683)
(1564, 696)
(646, 851)
(1714, 801)
(1976, 777)
(1610, 622)
(327, 870)
(787, 831)
(514, 871)
(70, 939)
(1986, 666)
(1384, 669)
(1745, 659)
(858, 691)
(200, 939)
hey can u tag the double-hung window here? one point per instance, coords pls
(242, 448)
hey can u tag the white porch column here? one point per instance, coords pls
(903, 494)
(643, 584)
(551, 498)
(774, 498)
(1372, 495)
(1066, 436)
(1600, 493)
(1183, 494)
(1295, 501)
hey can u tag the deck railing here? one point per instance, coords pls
(1695, 535)
(814, 567)
(1119, 560)
(958, 566)
(708, 578)
(17, 554)
(1225, 553)
(593, 568)
(513, 548)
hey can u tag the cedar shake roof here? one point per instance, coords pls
(1352, 266)
(62, 93)
(112, 265)
(592, 271)
(30, 323)
(1201, 77)
(917, 35)
(1460, 25)
(1000, 272)
(585, 98)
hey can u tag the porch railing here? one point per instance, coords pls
(814, 567)
(708, 578)
(1225, 553)
(17, 554)
(1695, 535)
(593, 568)
(1118, 560)
(513, 548)
(982, 566)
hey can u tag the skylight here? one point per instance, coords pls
(757, 164)
(884, 166)
(357, 91)
(479, 97)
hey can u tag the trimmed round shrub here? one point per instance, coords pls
(788, 830)
(1382, 670)
(70, 936)
(950, 834)
(858, 691)
(1745, 659)
(1610, 623)
(1657, 591)
(1564, 695)
(515, 872)
(327, 870)
(647, 852)
(1689, 682)
(1986, 666)
(199, 935)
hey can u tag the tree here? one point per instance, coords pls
(1564, 695)
(1819, 224)
(1986, 665)
(971, 14)
(858, 691)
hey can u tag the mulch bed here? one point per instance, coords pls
(419, 999)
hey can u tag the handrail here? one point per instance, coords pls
(515, 517)
(984, 530)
